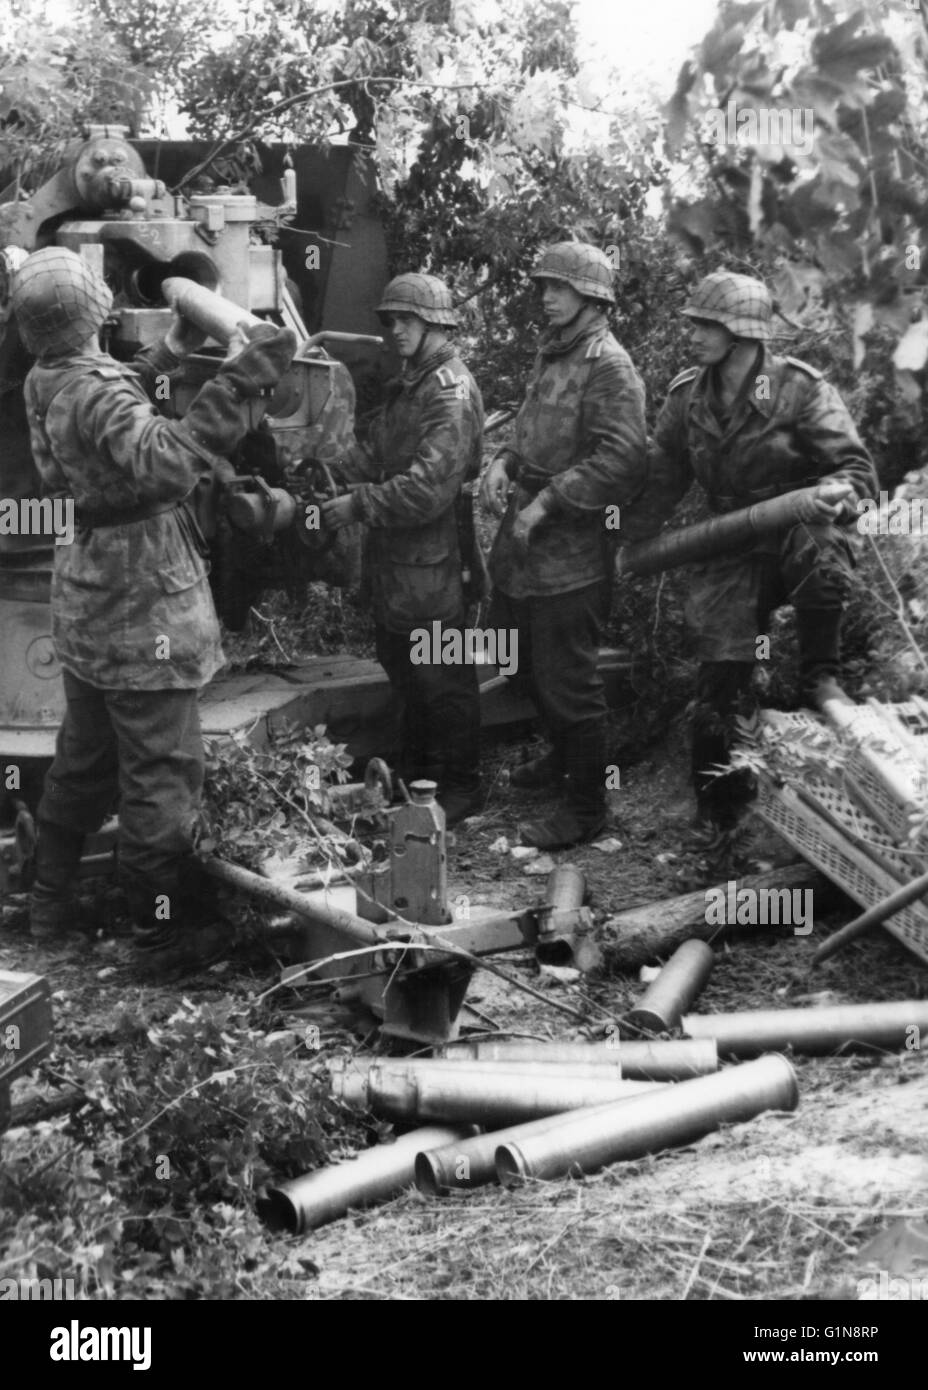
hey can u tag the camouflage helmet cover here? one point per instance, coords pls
(737, 302)
(424, 295)
(59, 301)
(584, 268)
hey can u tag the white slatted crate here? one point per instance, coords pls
(847, 845)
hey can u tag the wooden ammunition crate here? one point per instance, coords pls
(25, 1023)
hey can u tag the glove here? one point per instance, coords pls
(262, 363)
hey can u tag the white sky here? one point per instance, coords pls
(638, 38)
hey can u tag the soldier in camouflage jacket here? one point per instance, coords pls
(578, 450)
(133, 619)
(748, 426)
(424, 446)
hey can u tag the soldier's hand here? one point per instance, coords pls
(834, 497)
(183, 336)
(338, 512)
(494, 490)
(525, 522)
(260, 364)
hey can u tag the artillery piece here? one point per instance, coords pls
(103, 205)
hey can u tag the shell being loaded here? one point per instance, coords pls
(212, 313)
(671, 1115)
(401, 1092)
(719, 535)
(170, 246)
(839, 1028)
(641, 1061)
(372, 1177)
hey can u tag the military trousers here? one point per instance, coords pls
(729, 601)
(558, 668)
(437, 714)
(729, 605)
(558, 652)
(141, 752)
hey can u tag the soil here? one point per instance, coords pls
(777, 1208)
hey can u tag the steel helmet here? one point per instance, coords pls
(738, 302)
(59, 301)
(584, 268)
(424, 295)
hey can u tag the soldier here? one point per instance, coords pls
(133, 619)
(749, 426)
(426, 443)
(579, 447)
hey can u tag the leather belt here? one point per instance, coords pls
(89, 520)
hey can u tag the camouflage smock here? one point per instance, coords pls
(791, 430)
(426, 442)
(580, 445)
(120, 589)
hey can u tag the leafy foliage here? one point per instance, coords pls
(150, 1191)
(256, 797)
(837, 218)
(54, 78)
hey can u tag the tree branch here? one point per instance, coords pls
(300, 98)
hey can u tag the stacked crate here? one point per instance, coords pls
(858, 824)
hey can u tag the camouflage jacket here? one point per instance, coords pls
(791, 430)
(131, 604)
(579, 446)
(426, 442)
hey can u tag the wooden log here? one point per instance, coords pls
(643, 935)
(40, 1108)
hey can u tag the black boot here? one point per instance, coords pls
(546, 771)
(583, 814)
(721, 691)
(176, 929)
(52, 905)
(819, 635)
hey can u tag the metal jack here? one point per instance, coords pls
(416, 993)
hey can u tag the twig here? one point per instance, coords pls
(571, 1221)
(307, 231)
(441, 947)
(899, 611)
(300, 98)
(695, 1270)
(270, 622)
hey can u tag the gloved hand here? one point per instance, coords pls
(262, 363)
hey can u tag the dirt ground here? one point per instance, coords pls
(774, 1209)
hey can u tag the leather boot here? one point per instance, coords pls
(52, 905)
(168, 948)
(583, 814)
(721, 690)
(546, 771)
(819, 635)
